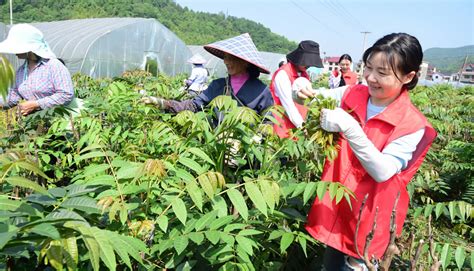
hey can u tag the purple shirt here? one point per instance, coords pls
(237, 81)
(49, 84)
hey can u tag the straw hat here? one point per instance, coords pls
(24, 38)
(307, 54)
(197, 59)
(242, 47)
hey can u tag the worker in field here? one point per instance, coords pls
(384, 139)
(342, 75)
(306, 55)
(42, 81)
(197, 81)
(244, 65)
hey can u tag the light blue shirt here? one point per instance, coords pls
(401, 148)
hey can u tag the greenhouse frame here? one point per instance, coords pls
(106, 47)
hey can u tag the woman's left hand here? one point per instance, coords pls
(28, 107)
(337, 120)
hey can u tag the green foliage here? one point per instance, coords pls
(126, 186)
(192, 27)
(196, 194)
(7, 76)
(443, 187)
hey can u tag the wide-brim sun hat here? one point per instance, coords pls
(197, 59)
(24, 38)
(241, 47)
(307, 54)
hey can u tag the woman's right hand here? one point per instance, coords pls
(305, 93)
(158, 102)
(302, 90)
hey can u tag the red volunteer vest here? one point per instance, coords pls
(350, 77)
(284, 123)
(335, 224)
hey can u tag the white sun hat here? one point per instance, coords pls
(197, 59)
(24, 38)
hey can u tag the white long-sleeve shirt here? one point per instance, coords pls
(395, 156)
(283, 91)
(198, 78)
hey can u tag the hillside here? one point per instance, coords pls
(449, 60)
(192, 27)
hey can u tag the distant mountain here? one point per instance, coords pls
(449, 60)
(194, 28)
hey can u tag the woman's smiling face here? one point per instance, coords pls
(384, 85)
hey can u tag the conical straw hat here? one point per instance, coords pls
(242, 47)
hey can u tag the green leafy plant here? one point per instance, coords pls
(127, 186)
(7, 76)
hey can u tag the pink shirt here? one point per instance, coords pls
(237, 81)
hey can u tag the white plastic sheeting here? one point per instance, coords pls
(107, 47)
(216, 66)
(272, 60)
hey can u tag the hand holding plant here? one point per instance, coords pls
(158, 102)
(302, 90)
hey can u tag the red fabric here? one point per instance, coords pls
(285, 124)
(335, 224)
(349, 76)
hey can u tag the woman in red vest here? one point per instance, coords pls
(343, 76)
(306, 55)
(383, 142)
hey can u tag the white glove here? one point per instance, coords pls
(379, 166)
(337, 120)
(257, 139)
(159, 102)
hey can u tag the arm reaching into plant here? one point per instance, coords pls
(379, 165)
(283, 85)
(215, 89)
(170, 105)
(302, 90)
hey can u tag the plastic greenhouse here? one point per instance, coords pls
(216, 66)
(107, 47)
(272, 60)
(3, 31)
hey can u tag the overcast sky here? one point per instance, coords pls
(337, 24)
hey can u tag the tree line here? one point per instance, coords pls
(194, 28)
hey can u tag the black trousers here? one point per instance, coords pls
(334, 260)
